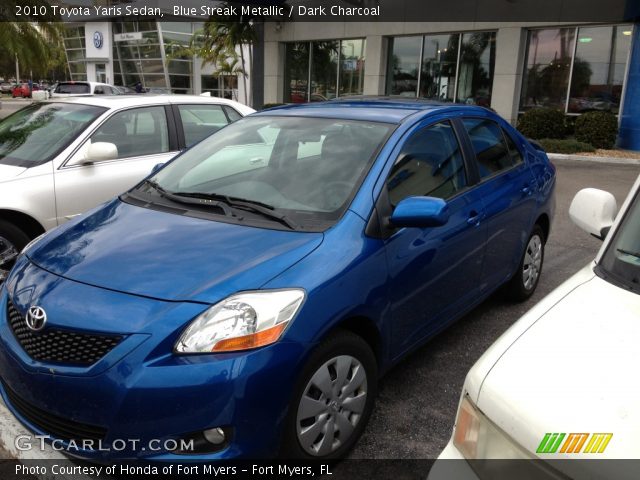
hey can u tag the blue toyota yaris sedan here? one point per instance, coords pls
(243, 300)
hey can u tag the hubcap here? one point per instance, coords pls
(331, 406)
(532, 262)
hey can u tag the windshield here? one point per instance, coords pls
(621, 261)
(37, 133)
(306, 169)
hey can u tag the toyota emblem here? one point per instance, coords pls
(36, 318)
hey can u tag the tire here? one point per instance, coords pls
(525, 280)
(342, 355)
(11, 237)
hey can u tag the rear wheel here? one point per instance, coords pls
(12, 241)
(525, 280)
(333, 400)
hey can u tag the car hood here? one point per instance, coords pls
(7, 172)
(168, 256)
(573, 370)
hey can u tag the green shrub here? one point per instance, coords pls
(542, 123)
(600, 129)
(569, 145)
(271, 105)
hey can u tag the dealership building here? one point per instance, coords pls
(509, 66)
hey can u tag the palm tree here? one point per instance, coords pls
(229, 66)
(28, 38)
(220, 38)
(223, 36)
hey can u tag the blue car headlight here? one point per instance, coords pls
(241, 322)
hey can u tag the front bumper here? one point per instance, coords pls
(140, 390)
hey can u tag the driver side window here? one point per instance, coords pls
(430, 164)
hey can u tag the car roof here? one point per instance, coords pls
(376, 109)
(119, 101)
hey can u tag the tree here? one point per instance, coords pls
(28, 39)
(228, 67)
(218, 38)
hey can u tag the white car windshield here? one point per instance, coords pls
(37, 133)
(621, 261)
(305, 168)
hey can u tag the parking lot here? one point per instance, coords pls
(10, 105)
(417, 400)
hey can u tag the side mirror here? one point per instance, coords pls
(420, 212)
(101, 151)
(593, 211)
(156, 167)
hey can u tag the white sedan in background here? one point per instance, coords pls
(562, 382)
(61, 157)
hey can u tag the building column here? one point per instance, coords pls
(375, 65)
(629, 134)
(507, 77)
(273, 72)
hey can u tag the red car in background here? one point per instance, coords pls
(23, 90)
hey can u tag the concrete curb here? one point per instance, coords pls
(587, 158)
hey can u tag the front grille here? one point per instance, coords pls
(58, 427)
(56, 345)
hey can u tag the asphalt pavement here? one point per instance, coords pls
(9, 105)
(417, 400)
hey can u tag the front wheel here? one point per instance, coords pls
(525, 280)
(333, 400)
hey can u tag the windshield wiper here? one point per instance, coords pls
(628, 252)
(245, 204)
(190, 200)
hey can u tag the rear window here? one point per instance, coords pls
(73, 88)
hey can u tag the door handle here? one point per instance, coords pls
(474, 219)
(527, 189)
(256, 160)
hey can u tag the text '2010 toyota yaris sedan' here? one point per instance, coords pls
(244, 299)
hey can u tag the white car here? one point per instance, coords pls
(61, 157)
(75, 89)
(562, 382)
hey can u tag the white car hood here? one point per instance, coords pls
(7, 172)
(573, 370)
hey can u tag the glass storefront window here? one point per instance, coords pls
(337, 68)
(476, 68)
(351, 67)
(577, 69)
(548, 66)
(453, 67)
(296, 72)
(598, 69)
(403, 66)
(324, 68)
(439, 65)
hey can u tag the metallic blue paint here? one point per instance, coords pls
(146, 274)
(420, 212)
